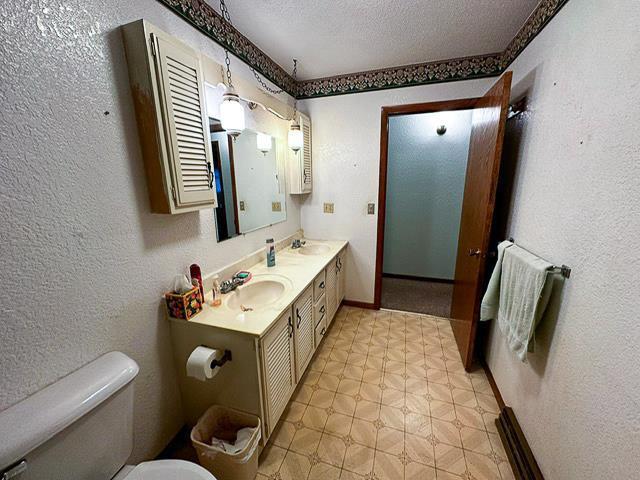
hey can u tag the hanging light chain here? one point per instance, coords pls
(224, 11)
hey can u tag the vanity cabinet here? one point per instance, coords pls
(278, 367)
(341, 273)
(304, 330)
(167, 86)
(331, 274)
(300, 164)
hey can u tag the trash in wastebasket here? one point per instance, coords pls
(242, 439)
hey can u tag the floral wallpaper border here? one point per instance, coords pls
(203, 17)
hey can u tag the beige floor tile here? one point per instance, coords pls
(317, 364)
(306, 441)
(387, 466)
(450, 459)
(490, 422)
(311, 377)
(415, 370)
(373, 362)
(314, 417)
(390, 440)
(363, 432)
(419, 449)
(371, 392)
(367, 410)
(481, 385)
(294, 411)
(392, 380)
(435, 362)
(359, 459)
(392, 417)
(442, 475)
(271, 459)
(303, 393)
(357, 359)
(506, 472)
(334, 368)
(417, 386)
(417, 403)
(469, 417)
(393, 398)
(344, 404)
(338, 424)
(294, 466)
(348, 387)
(328, 382)
(460, 381)
(361, 347)
(417, 471)
(396, 355)
(440, 392)
(283, 434)
(331, 449)
(347, 475)
(442, 410)
(496, 445)
(394, 366)
(465, 398)
(322, 398)
(324, 471)
(372, 376)
(446, 432)
(488, 402)
(475, 440)
(481, 466)
(419, 425)
(436, 375)
(353, 372)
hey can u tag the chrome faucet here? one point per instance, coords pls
(297, 243)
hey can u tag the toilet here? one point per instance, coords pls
(81, 428)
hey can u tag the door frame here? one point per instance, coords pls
(389, 111)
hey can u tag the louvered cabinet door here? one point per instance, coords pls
(303, 320)
(332, 290)
(185, 123)
(277, 348)
(307, 179)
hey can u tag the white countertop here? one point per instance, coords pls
(298, 271)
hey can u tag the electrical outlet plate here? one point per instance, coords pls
(328, 208)
(276, 207)
(371, 208)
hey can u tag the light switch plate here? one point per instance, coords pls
(328, 208)
(371, 208)
(276, 207)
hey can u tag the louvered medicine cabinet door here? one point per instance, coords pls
(168, 89)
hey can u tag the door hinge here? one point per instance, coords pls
(153, 45)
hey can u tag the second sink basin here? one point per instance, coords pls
(257, 293)
(314, 249)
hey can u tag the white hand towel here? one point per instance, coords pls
(491, 300)
(525, 287)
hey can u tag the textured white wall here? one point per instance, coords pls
(577, 201)
(346, 162)
(84, 263)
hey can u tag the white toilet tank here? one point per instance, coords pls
(79, 428)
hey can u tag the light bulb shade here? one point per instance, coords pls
(263, 142)
(232, 114)
(295, 137)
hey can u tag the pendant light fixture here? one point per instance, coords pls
(263, 142)
(295, 133)
(231, 110)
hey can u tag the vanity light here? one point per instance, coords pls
(232, 113)
(264, 142)
(295, 137)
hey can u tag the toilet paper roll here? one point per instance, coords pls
(199, 363)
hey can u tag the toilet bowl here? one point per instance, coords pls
(86, 419)
(164, 470)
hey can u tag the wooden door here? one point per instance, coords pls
(278, 367)
(483, 165)
(303, 320)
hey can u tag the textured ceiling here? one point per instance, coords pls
(330, 38)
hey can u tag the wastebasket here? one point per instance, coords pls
(214, 437)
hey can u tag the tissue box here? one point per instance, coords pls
(184, 305)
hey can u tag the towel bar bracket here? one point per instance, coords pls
(564, 270)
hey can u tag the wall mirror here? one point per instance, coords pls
(249, 177)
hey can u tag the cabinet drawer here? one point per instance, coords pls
(318, 286)
(319, 311)
(319, 332)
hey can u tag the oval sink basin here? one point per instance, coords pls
(316, 249)
(256, 294)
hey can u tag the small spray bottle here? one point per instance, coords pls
(271, 253)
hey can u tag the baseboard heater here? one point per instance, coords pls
(521, 457)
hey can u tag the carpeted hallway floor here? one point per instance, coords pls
(432, 298)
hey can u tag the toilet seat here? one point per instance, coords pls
(168, 470)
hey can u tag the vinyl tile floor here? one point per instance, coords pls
(386, 398)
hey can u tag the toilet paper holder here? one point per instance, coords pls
(226, 357)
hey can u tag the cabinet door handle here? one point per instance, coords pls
(321, 284)
(290, 327)
(210, 175)
(299, 318)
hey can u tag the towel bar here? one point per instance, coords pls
(563, 270)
